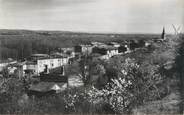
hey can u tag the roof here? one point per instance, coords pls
(107, 47)
(96, 54)
(31, 63)
(97, 43)
(54, 77)
(84, 45)
(52, 57)
(7, 61)
(124, 43)
(59, 55)
(40, 55)
(68, 48)
(47, 86)
(114, 43)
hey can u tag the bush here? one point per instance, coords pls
(132, 87)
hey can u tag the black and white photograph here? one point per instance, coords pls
(92, 57)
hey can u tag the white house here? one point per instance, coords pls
(86, 49)
(106, 51)
(51, 63)
(40, 65)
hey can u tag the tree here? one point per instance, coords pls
(5, 73)
(132, 87)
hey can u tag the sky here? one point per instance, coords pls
(99, 16)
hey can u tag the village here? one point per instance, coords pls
(92, 57)
(48, 70)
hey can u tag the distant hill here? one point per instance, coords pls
(22, 43)
(106, 36)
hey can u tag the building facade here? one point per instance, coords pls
(85, 49)
(106, 52)
(40, 65)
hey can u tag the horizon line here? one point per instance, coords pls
(87, 32)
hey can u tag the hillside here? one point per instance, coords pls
(76, 37)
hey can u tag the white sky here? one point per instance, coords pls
(119, 16)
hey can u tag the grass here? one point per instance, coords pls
(168, 105)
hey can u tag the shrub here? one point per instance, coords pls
(132, 87)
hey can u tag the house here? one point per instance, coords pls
(85, 49)
(96, 56)
(133, 44)
(122, 49)
(68, 51)
(39, 65)
(50, 83)
(31, 67)
(53, 77)
(65, 50)
(70, 55)
(141, 43)
(96, 44)
(39, 56)
(46, 88)
(51, 63)
(60, 55)
(114, 44)
(106, 51)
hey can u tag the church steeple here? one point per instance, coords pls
(163, 34)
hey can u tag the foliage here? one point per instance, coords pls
(10, 93)
(5, 73)
(133, 86)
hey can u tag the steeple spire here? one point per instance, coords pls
(163, 34)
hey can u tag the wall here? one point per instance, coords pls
(32, 67)
(51, 63)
